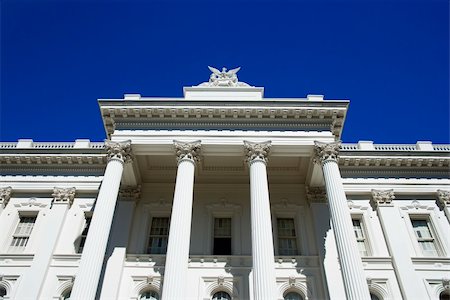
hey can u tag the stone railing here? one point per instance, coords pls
(370, 146)
(30, 144)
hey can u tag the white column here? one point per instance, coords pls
(88, 274)
(113, 274)
(355, 282)
(33, 279)
(5, 195)
(176, 269)
(444, 202)
(393, 226)
(264, 282)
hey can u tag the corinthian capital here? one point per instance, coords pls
(257, 151)
(63, 195)
(382, 197)
(5, 195)
(189, 150)
(443, 197)
(119, 150)
(130, 192)
(316, 195)
(326, 151)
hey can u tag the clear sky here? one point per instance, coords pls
(389, 58)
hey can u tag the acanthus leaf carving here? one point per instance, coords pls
(63, 195)
(326, 151)
(443, 197)
(258, 151)
(382, 197)
(119, 150)
(187, 150)
(5, 195)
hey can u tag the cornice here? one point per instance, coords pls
(403, 159)
(288, 114)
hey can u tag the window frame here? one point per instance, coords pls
(295, 237)
(23, 214)
(431, 227)
(230, 236)
(296, 212)
(360, 217)
(150, 223)
(87, 215)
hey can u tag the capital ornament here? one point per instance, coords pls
(443, 197)
(119, 150)
(326, 151)
(5, 195)
(382, 197)
(187, 150)
(63, 195)
(257, 151)
(130, 192)
(316, 195)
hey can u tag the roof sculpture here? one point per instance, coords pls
(224, 78)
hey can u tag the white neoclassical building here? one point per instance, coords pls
(224, 194)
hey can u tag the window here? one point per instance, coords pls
(66, 294)
(84, 233)
(22, 233)
(424, 235)
(374, 297)
(221, 296)
(2, 292)
(445, 295)
(149, 295)
(287, 240)
(293, 296)
(159, 236)
(222, 236)
(360, 237)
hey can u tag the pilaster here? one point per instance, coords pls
(31, 284)
(327, 155)
(264, 282)
(176, 269)
(393, 228)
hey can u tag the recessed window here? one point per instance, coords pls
(287, 239)
(22, 233)
(84, 233)
(149, 295)
(221, 296)
(66, 294)
(2, 292)
(445, 295)
(361, 240)
(423, 231)
(222, 236)
(374, 297)
(159, 236)
(293, 296)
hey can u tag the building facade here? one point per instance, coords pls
(224, 194)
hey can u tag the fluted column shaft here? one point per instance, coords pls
(86, 280)
(264, 282)
(177, 258)
(355, 283)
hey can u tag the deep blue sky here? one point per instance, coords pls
(389, 58)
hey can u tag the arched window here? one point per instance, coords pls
(445, 295)
(221, 296)
(66, 294)
(149, 295)
(374, 297)
(293, 296)
(2, 292)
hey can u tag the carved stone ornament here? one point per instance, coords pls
(326, 151)
(316, 195)
(257, 151)
(130, 192)
(5, 195)
(63, 195)
(223, 78)
(382, 197)
(187, 150)
(119, 150)
(446, 283)
(443, 197)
